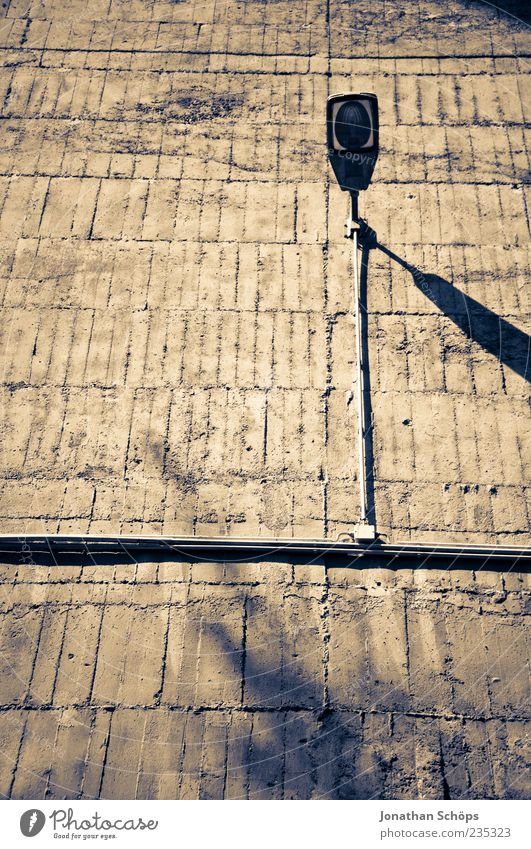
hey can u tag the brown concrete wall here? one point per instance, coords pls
(176, 356)
(177, 348)
(262, 680)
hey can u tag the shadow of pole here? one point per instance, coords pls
(510, 345)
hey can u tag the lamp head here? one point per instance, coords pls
(352, 138)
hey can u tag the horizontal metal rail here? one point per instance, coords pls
(68, 544)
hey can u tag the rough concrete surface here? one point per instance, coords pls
(177, 356)
(262, 680)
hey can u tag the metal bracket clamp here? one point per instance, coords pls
(351, 226)
(367, 237)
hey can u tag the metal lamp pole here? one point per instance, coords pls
(363, 530)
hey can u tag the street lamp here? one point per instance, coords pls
(352, 138)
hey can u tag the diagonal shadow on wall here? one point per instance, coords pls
(510, 345)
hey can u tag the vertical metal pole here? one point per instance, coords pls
(364, 530)
(359, 380)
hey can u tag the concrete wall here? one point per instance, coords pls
(177, 356)
(262, 680)
(177, 348)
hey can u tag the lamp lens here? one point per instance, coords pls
(353, 125)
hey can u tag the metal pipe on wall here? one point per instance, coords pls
(70, 544)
